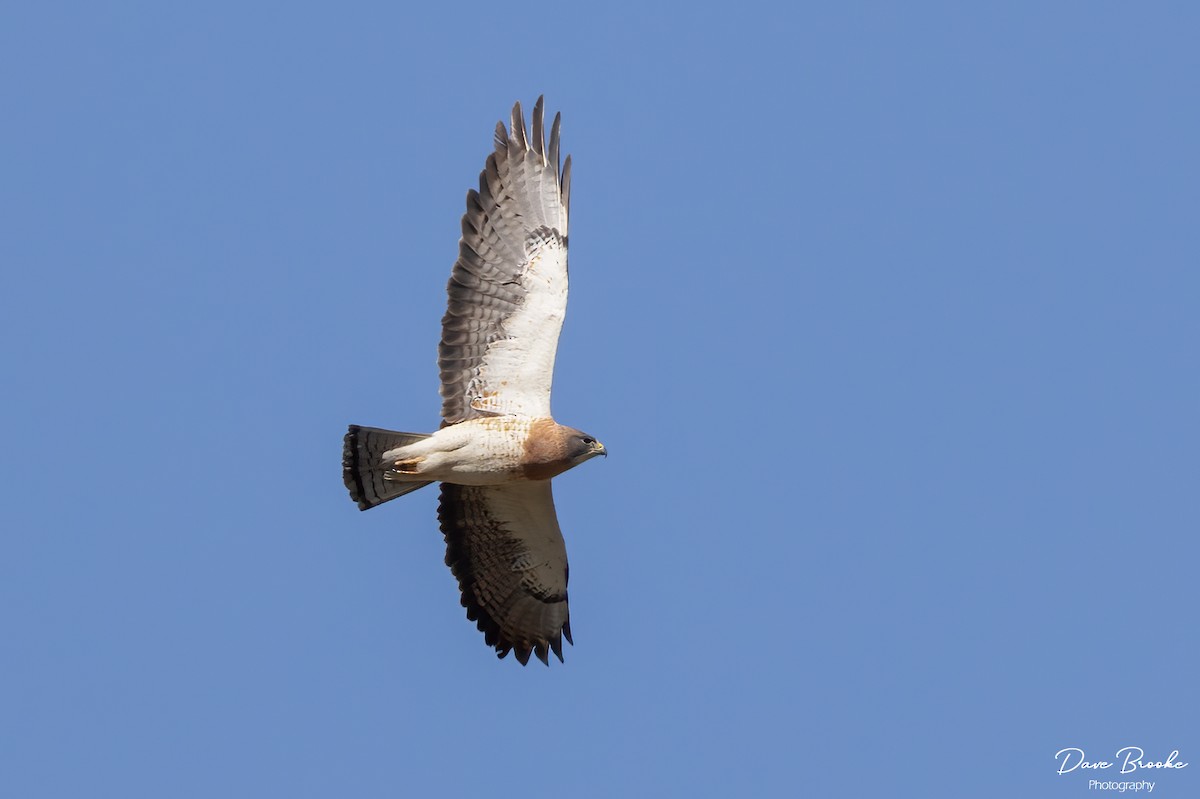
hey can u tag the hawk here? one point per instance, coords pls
(498, 446)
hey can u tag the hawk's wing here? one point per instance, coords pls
(508, 290)
(504, 546)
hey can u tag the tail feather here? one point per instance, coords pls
(364, 471)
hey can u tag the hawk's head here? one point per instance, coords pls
(582, 447)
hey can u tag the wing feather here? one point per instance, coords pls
(504, 545)
(518, 127)
(566, 186)
(553, 154)
(507, 293)
(539, 130)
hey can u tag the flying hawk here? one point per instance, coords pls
(498, 446)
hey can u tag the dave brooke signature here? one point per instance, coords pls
(1131, 759)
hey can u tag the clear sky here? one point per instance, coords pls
(887, 314)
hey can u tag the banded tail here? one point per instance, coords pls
(363, 469)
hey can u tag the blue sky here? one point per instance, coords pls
(887, 315)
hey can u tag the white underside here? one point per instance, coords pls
(485, 451)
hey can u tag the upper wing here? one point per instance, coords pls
(504, 546)
(508, 289)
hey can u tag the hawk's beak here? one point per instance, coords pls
(600, 450)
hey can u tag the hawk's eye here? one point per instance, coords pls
(589, 440)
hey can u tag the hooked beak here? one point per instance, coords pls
(599, 449)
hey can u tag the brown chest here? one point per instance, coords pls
(545, 452)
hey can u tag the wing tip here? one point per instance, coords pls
(533, 138)
(518, 127)
(565, 183)
(540, 649)
(552, 155)
(521, 650)
(539, 128)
